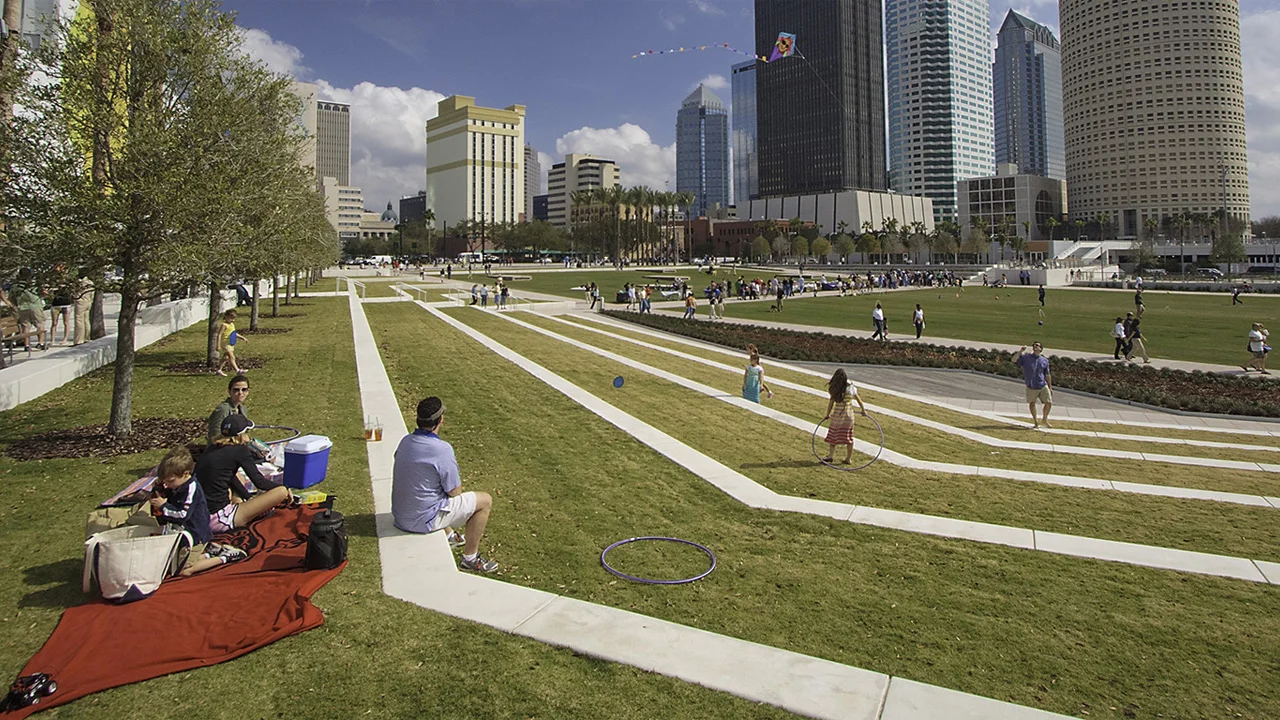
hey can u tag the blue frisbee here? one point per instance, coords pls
(617, 382)
(233, 338)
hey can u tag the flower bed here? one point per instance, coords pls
(1176, 389)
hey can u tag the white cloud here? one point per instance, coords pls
(388, 125)
(1258, 33)
(714, 81)
(671, 21)
(705, 7)
(642, 161)
(280, 57)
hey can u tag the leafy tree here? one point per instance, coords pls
(759, 248)
(820, 248)
(800, 246)
(780, 246)
(844, 245)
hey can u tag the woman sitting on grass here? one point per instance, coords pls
(840, 413)
(230, 504)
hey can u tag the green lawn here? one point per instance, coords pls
(1068, 635)
(1177, 326)
(375, 656)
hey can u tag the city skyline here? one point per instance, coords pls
(615, 106)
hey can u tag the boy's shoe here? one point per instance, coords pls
(478, 564)
(228, 553)
(456, 539)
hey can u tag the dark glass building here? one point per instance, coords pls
(702, 150)
(1027, 84)
(820, 113)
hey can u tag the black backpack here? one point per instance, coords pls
(326, 541)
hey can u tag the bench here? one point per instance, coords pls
(11, 335)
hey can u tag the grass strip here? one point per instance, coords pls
(374, 656)
(1053, 632)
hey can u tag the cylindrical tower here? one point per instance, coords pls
(1153, 99)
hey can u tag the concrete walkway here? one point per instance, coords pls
(420, 569)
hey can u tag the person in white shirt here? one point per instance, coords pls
(917, 319)
(1258, 336)
(877, 317)
(1118, 332)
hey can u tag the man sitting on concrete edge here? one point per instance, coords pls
(426, 489)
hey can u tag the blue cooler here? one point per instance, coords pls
(306, 461)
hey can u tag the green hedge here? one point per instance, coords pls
(1195, 391)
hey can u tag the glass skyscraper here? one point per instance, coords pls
(702, 150)
(1027, 82)
(940, 115)
(746, 177)
(820, 113)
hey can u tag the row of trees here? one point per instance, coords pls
(632, 222)
(149, 155)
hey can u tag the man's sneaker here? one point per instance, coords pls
(228, 553)
(456, 539)
(479, 564)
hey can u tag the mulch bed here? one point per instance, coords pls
(94, 441)
(198, 367)
(265, 331)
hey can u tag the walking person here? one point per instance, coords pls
(841, 394)
(877, 319)
(484, 296)
(1037, 378)
(26, 299)
(1138, 307)
(690, 306)
(917, 319)
(720, 293)
(60, 308)
(83, 306)
(1041, 292)
(227, 339)
(1235, 296)
(595, 297)
(475, 293)
(1134, 340)
(753, 379)
(1258, 336)
(1118, 332)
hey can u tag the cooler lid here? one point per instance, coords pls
(308, 444)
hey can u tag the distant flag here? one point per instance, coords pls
(784, 46)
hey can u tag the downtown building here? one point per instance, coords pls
(532, 180)
(820, 113)
(475, 163)
(746, 175)
(702, 151)
(1153, 101)
(1026, 80)
(940, 107)
(575, 174)
(327, 153)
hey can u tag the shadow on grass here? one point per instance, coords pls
(64, 578)
(362, 525)
(779, 464)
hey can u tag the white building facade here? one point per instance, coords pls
(843, 211)
(475, 162)
(938, 58)
(577, 172)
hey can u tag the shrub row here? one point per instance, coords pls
(1194, 391)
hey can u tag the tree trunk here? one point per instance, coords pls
(296, 278)
(275, 296)
(211, 346)
(253, 306)
(121, 423)
(97, 316)
(288, 299)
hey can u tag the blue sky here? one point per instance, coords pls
(569, 62)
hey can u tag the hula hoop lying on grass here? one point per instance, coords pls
(295, 434)
(813, 445)
(647, 581)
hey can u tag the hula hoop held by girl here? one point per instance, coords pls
(842, 395)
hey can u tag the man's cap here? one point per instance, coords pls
(235, 424)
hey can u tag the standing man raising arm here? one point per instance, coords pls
(1039, 382)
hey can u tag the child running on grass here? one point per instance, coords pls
(840, 413)
(179, 500)
(753, 378)
(226, 331)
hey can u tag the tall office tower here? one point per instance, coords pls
(820, 113)
(746, 177)
(307, 92)
(532, 180)
(475, 162)
(1153, 101)
(577, 172)
(702, 150)
(940, 119)
(333, 141)
(1026, 79)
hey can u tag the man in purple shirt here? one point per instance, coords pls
(1035, 373)
(426, 489)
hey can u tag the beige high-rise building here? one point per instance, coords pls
(307, 122)
(344, 206)
(1153, 98)
(475, 162)
(577, 172)
(333, 141)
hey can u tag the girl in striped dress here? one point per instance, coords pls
(753, 378)
(840, 413)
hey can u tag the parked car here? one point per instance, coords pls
(1210, 272)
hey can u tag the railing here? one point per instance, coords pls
(359, 285)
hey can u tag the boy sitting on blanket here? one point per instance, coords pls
(178, 500)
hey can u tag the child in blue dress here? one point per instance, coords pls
(753, 379)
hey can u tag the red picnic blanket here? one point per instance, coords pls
(189, 622)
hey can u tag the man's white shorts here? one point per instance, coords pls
(456, 512)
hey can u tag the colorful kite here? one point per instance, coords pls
(691, 48)
(784, 46)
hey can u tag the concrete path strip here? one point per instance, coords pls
(753, 494)
(420, 569)
(1020, 475)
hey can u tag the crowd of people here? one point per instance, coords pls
(36, 307)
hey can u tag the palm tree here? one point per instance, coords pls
(614, 198)
(919, 235)
(685, 200)
(868, 228)
(1052, 223)
(980, 226)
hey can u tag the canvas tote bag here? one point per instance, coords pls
(130, 562)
